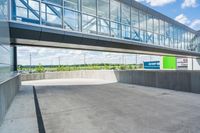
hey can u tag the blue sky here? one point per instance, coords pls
(184, 11)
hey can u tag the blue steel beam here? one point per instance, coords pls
(59, 15)
(30, 8)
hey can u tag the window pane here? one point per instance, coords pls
(115, 10)
(126, 10)
(185, 41)
(162, 40)
(126, 32)
(179, 38)
(134, 17)
(88, 24)
(89, 6)
(166, 41)
(51, 15)
(171, 35)
(156, 39)
(162, 27)
(72, 4)
(3, 9)
(25, 14)
(167, 29)
(135, 34)
(71, 20)
(143, 36)
(175, 37)
(142, 20)
(193, 42)
(35, 13)
(103, 8)
(22, 12)
(103, 27)
(156, 25)
(115, 30)
(150, 23)
(149, 37)
(4, 54)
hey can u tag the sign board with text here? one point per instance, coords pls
(151, 65)
(182, 63)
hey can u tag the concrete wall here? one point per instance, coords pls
(8, 90)
(94, 74)
(188, 81)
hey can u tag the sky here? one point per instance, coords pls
(183, 11)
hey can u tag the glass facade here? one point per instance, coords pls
(6, 51)
(3, 9)
(110, 18)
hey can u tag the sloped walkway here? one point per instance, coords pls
(95, 106)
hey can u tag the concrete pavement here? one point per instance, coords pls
(96, 106)
(21, 117)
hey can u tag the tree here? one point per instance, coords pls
(40, 68)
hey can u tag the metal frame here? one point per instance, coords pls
(149, 38)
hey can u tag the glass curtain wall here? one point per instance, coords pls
(110, 18)
(3, 9)
(103, 14)
(6, 51)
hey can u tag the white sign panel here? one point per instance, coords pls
(182, 63)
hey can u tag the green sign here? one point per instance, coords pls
(169, 62)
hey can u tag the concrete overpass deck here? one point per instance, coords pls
(96, 106)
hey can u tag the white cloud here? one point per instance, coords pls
(189, 3)
(157, 2)
(195, 24)
(182, 19)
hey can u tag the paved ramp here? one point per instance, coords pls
(94, 106)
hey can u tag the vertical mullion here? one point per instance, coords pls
(146, 26)
(45, 12)
(9, 10)
(138, 16)
(27, 9)
(81, 15)
(109, 18)
(164, 31)
(40, 12)
(131, 22)
(97, 17)
(120, 21)
(159, 35)
(152, 17)
(63, 9)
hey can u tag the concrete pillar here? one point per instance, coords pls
(15, 58)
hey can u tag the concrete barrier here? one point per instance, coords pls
(93, 74)
(188, 81)
(8, 90)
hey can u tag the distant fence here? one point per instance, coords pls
(188, 81)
